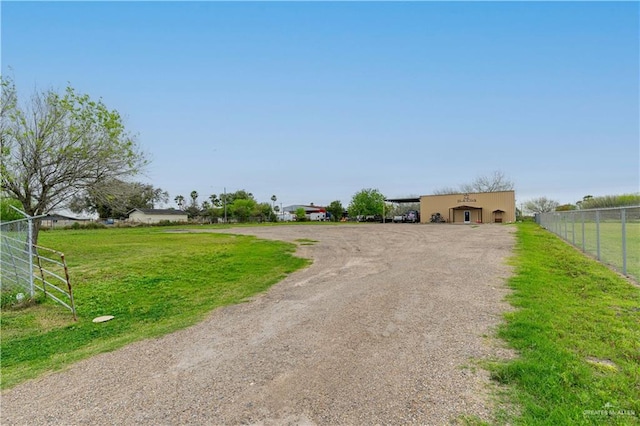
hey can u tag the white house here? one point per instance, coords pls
(57, 220)
(157, 215)
(313, 213)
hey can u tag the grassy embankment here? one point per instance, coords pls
(576, 328)
(152, 281)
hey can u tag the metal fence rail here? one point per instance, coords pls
(610, 235)
(27, 268)
(15, 256)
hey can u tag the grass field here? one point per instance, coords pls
(152, 281)
(577, 331)
(611, 251)
(576, 325)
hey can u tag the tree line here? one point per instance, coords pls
(69, 150)
(544, 204)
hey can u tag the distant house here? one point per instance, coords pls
(157, 215)
(311, 212)
(55, 220)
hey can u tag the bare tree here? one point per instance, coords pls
(447, 190)
(541, 205)
(58, 145)
(495, 182)
(115, 198)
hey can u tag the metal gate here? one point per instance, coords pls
(27, 270)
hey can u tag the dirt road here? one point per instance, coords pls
(386, 327)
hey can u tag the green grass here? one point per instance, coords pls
(152, 281)
(576, 329)
(610, 242)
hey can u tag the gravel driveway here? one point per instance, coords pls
(386, 327)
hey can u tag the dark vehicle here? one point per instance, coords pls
(412, 216)
(369, 218)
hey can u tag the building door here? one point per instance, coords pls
(467, 216)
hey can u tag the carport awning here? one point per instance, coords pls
(402, 200)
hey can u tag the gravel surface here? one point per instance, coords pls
(386, 327)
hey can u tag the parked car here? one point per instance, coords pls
(412, 216)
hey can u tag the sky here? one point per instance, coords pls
(315, 101)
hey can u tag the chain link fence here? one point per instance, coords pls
(27, 270)
(610, 235)
(16, 259)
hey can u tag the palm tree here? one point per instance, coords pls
(194, 198)
(179, 201)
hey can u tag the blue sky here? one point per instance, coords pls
(314, 101)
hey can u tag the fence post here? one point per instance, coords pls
(573, 229)
(583, 245)
(623, 219)
(598, 234)
(30, 250)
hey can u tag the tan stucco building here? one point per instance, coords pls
(482, 207)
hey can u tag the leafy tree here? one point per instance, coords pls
(211, 212)
(566, 207)
(215, 201)
(607, 201)
(230, 197)
(266, 212)
(58, 145)
(243, 209)
(115, 198)
(301, 215)
(335, 209)
(367, 202)
(7, 214)
(495, 182)
(541, 205)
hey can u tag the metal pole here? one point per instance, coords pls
(598, 233)
(583, 245)
(573, 229)
(225, 205)
(30, 245)
(623, 217)
(383, 220)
